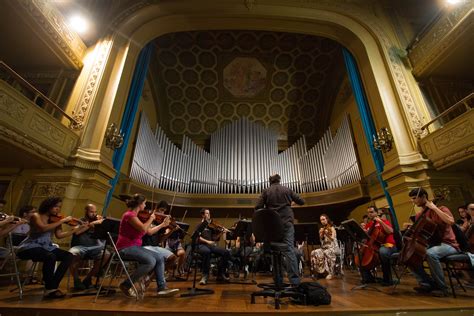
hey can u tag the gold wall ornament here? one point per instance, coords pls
(384, 140)
(113, 137)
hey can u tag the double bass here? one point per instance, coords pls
(369, 257)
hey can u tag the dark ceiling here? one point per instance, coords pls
(284, 81)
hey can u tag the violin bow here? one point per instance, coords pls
(172, 202)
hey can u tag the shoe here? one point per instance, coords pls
(222, 278)
(87, 282)
(423, 289)
(329, 277)
(204, 280)
(51, 294)
(440, 293)
(167, 292)
(78, 285)
(146, 281)
(128, 291)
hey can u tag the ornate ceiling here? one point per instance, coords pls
(206, 79)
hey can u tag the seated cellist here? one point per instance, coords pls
(386, 249)
(444, 244)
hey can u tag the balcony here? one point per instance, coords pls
(450, 141)
(32, 123)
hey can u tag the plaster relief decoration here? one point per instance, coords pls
(244, 77)
(51, 22)
(50, 189)
(458, 133)
(47, 130)
(14, 137)
(8, 106)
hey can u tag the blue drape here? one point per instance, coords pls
(368, 125)
(129, 114)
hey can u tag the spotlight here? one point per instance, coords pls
(78, 24)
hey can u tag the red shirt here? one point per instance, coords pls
(388, 238)
(128, 235)
(446, 231)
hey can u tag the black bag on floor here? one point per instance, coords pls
(316, 294)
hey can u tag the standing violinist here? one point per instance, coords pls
(380, 226)
(438, 248)
(323, 260)
(85, 247)
(208, 245)
(38, 246)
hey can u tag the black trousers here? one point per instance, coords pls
(206, 251)
(51, 277)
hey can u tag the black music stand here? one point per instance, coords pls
(358, 235)
(194, 291)
(244, 231)
(307, 232)
(111, 225)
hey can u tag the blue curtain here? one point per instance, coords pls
(129, 114)
(368, 125)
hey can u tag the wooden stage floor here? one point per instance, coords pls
(235, 299)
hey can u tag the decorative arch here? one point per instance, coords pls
(384, 79)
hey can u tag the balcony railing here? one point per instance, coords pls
(451, 142)
(11, 77)
(467, 102)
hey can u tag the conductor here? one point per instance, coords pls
(279, 198)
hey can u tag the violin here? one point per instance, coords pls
(217, 226)
(54, 218)
(16, 219)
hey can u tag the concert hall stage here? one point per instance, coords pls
(235, 299)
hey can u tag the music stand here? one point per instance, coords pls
(307, 232)
(244, 231)
(194, 291)
(111, 225)
(358, 235)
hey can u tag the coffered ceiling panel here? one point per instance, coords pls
(207, 79)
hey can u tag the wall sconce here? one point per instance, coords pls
(384, 140)
(113, 138)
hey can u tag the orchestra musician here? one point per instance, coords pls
(465, 218)
(280, 199)
(38, 246)
(129, 244)
(323, 260)
(8, 223)
(386, 248)
(207, 246)
(85, 246)
(153, 239)
(443, 244)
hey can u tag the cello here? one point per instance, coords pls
(417, 238)
(369, 257)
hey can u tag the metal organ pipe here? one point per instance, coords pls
(241, 158)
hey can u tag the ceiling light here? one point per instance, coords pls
(78, 24)
(453, 2)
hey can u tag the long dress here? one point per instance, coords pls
(324, 259)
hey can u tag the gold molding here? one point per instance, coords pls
(440, 37)
(51, 22)
(13, 137)
(92, 84)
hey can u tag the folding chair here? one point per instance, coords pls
(120, 263)
(11, 256)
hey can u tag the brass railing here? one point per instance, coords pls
(464, 101)
(11, 77)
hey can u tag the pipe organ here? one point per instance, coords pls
(242, 156)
